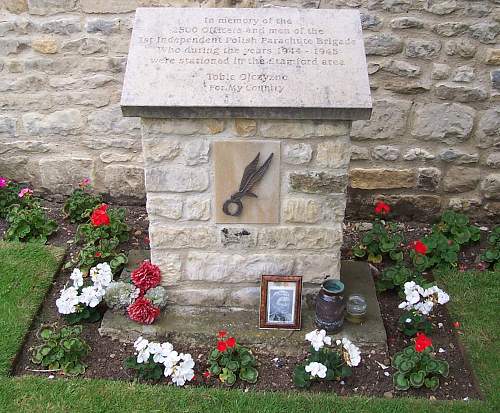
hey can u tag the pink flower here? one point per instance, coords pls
(85, 182)
(25, 191)
(3, 182)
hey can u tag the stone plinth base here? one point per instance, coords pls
(292, 226)
(193, 325)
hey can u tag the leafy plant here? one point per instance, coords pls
(29, 224)
(456, 227)
(396, 276)
(100, 243)
(411, 322)
(336, 367)
(8, 196)
(62, 349)
(492, 253)
(230, 360)
(417, 369)
(382, 240)
(84, 314)
(326, 363)
(442, 253)
(80, 205)
(149, 370)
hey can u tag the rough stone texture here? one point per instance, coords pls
(460, 179)
(333, 154)
(449, 122)
(297, 154)
(33, 82)
(317, 182)
(61, 175)
(382, 178)
(491, 186)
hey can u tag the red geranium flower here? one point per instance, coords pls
(381, 208)
(231, 342)
(207, 374)
(420, 247)
(142, 311)
(97, 254)
(100, 216)
(422, 342)
(221, 346)
(146, 276)
(456, 324)
(222, 334)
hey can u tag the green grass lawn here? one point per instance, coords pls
(25, 274)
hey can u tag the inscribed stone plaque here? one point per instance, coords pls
(268, 62)
(231, 158)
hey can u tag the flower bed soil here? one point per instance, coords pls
(369, 379)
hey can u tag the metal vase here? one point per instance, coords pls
(330, 306)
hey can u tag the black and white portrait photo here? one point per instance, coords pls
(280, 301)
(281, 305)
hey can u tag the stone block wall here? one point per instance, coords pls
(433, 141)
(205, 263)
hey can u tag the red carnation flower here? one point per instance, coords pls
(381, 208)
(231, 342)
(100, 216)
(221, 346)
(420, 247)
(142, 311)
(422, 342)
(146, 276)
(222, 334)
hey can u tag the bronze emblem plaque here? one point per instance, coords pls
(247, 181)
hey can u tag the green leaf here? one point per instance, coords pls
(417, 378)
(432, 383)
(301, 378)
(249, 374)
(400, 381)
(443, 368)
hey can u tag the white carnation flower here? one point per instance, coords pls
(316, 370)
(352, 355)
(77, 278)
(68, 300)
(184, 371)
(318, 339)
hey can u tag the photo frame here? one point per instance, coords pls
(280, 302)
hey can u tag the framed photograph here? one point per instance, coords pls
(280, 301)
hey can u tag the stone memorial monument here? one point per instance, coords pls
(246, 117)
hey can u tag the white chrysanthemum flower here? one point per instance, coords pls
(157, 296)
(316, 369)
(92, 296)
(318, 339)
(120, 294)
(184, 371)
(68, 300)
(77, 278)
(101, 275)
(352, 355)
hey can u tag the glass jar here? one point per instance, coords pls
(356, 308)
